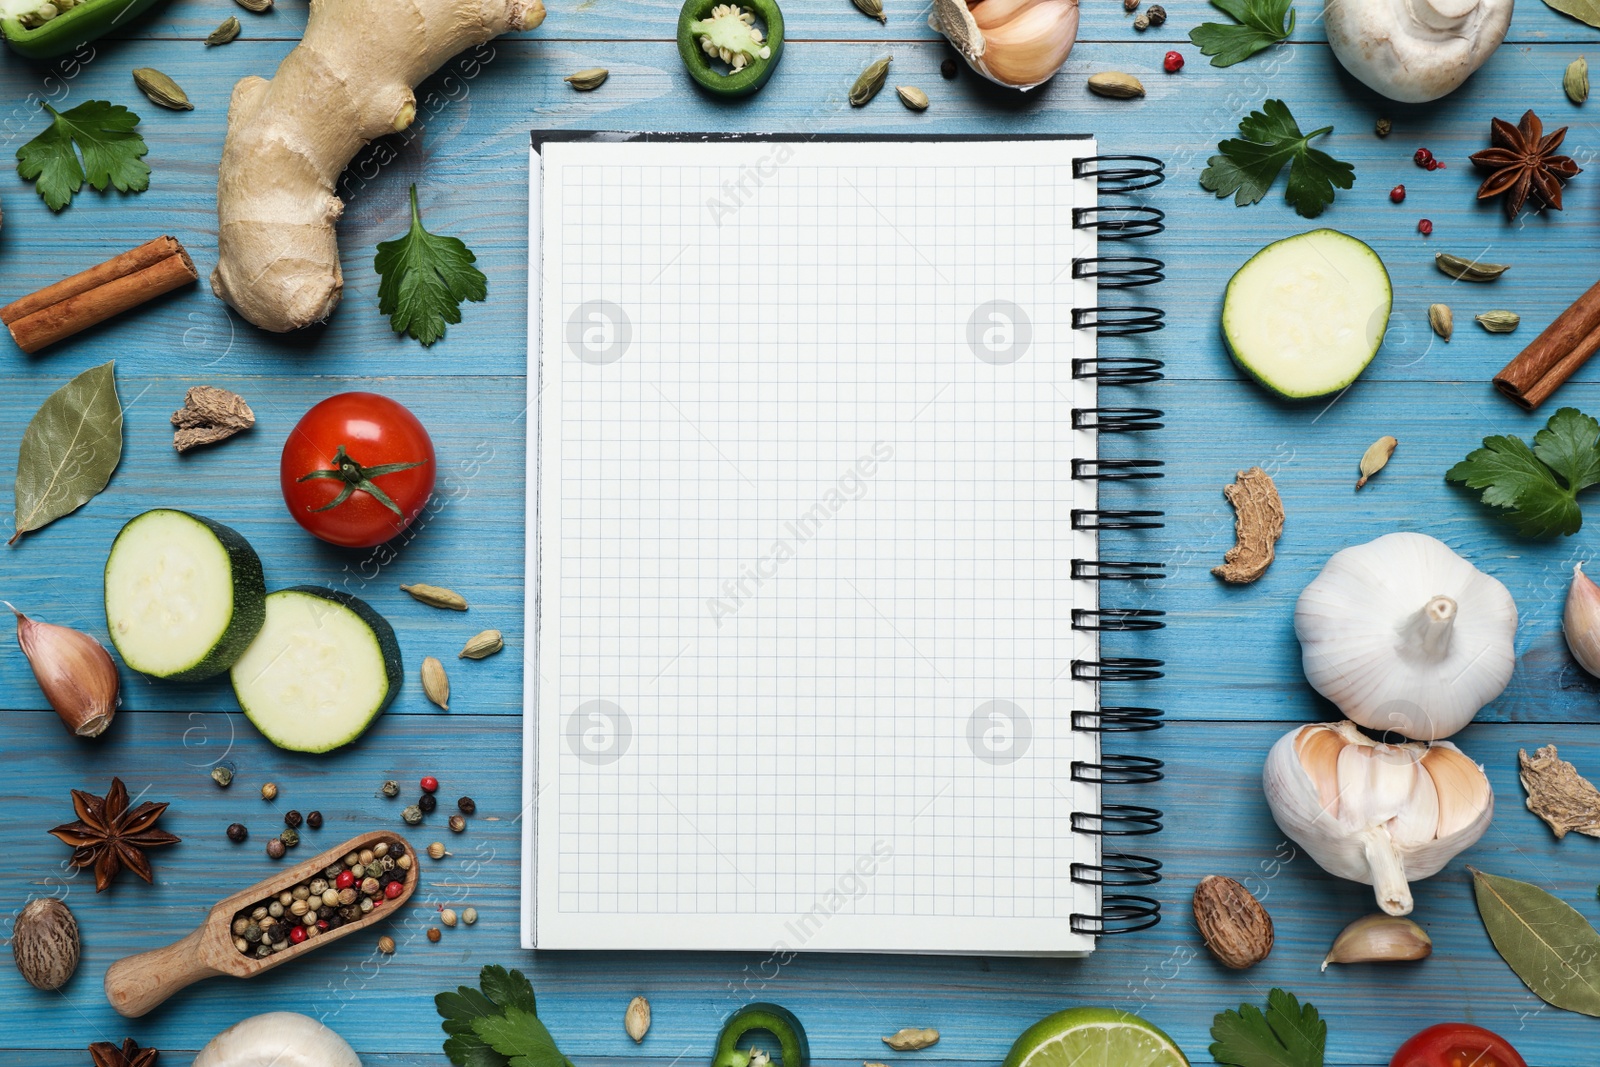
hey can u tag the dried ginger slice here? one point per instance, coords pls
(1258, 523)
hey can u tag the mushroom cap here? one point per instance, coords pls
(1349, 621)
(278, 1039)
(1415, 50)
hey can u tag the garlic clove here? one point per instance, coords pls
(991, 14)
(75, 672)
(1465, 796)
(1318, 751)
(1581, 620)
(1379, 939)
(1030, 48)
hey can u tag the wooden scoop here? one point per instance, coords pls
(137, 984)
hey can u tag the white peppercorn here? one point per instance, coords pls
(469, 916)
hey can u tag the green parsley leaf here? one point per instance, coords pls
(459, 1011)
(1537, 486)
(103, 132)
(1271, 138)
(521, 1036)
(425, 278)
(508, 989)
(1260, 24)
(1288, 1035)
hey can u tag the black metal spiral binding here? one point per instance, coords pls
(1117, 420)
(1119, 272)
(1119, 913)
(1115, 519)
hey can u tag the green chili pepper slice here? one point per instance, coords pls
(696, 24)
(779, 1022)
(73, 28)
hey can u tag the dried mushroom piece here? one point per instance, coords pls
(209, 415)
(1258, 523)
(1558, 794)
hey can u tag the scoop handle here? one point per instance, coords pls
(137, 984)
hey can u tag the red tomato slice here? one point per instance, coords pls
(1457, 1045)
(357, 469)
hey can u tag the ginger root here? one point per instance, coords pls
(350, 80)
(1258, 523)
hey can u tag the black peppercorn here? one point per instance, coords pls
(314, 820)
(427, 802)
(396, 850)
(949, 69)
(237, 832)
(1157, 14)
(292, 819)
(467, 806)
(325, 913)
(275, 849)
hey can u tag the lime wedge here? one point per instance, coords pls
(1094, 1037)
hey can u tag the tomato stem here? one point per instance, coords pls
(355, 476)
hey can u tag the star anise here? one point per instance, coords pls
(109, 837)
(129, 1055)
(1523, 164)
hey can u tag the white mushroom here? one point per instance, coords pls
(1415, 50)
(278, 1039)
(1406, 636)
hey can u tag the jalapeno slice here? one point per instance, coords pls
(778, 1021)
(710, 30)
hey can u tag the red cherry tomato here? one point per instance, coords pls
(1457, 1045)
(357, 470)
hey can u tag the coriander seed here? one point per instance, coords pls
(436, 850)
(433, 934)
(314, 819)
(467, 806)
(427, 802)
(237, 832)
(275, 849)
(458, 823)
(386, 945)
(292, 819)
(447, 916)
(289, 837)
(269, 791)
(391, 789)
(469, 916)
(222, 774)
(412, 815)
(404, 863)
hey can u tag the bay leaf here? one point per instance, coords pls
(69, 450)
(1548, 945)
(1582, 10)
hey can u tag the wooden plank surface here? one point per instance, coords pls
(1233, 682)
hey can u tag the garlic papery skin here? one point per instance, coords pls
(76, 673)
(1017, 43)
(1580, 621)
(1380, 814)
(1415, 50)
(1406, 636)
(1379, 939)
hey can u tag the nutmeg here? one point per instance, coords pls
(1236, 928)
(45, 943)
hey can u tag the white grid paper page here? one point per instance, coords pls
(802, 677)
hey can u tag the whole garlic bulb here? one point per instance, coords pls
(1383, 815)
(1405, 635)
(1018, 43)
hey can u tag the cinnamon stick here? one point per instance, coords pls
(79, 302)
(1555, 355)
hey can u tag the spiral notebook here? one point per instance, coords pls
(813, 511)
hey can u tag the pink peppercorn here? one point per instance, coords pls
(345, 880)
(1422, 157)
(393, 889)
(297, 935)
(1172, 63)
(1397, 194)
(1425, 227)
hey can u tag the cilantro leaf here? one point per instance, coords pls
(1271, 138)
(111, 149)
(1537, 486)
(521, 1036)
(425, 278)
(1288, 1035)
(1260, 24)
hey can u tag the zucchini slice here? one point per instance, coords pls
(323, 668)
(184, 595)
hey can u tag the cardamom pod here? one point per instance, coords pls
(912, 1039)
(260, 7)
(161, 89)
(1468, 270)
(436, 683)
(586, 81)
(870, 82)
(481, 646)
(1376, 457)
(436, 596)
(874, 8)
(1499, 321)
(1576, 80)
(912, 97)
(1116, 84)
(227, 31)
(1442, 321)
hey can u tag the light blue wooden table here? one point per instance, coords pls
(1233, 680)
